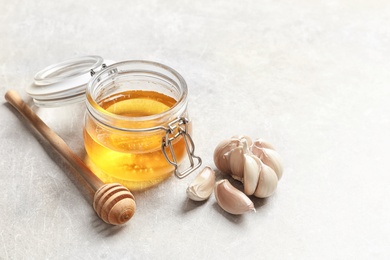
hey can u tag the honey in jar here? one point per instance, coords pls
(136, 123)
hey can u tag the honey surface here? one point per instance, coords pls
(133, 159)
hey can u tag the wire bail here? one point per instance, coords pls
(178, 124)
(92, 72)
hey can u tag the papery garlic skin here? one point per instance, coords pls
(236, 161)
(202, 186)
(231, 199)
(229, 155)
(270, 158)
(267, 182)
(243, 139)
(221, 154)
(252, 168)
(255, 163)
(261, 143)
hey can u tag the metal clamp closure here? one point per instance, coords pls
(179, 128)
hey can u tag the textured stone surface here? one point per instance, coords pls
(311, 77)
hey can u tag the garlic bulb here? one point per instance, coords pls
(256, 164)
(202, 186)
(231, 199)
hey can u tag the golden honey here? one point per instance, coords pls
(137, 130)
(133, 158)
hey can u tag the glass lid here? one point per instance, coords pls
(65, 82)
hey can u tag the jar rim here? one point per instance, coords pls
(92, 104)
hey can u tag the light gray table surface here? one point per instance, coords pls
(311, 77)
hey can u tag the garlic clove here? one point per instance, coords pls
(268, 181)
(261, 143)
(221, 154)
(252, 168)
(270, 158)
(202, 186)
(236, 161)
(231, 199)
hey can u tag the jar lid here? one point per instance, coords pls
(65, 82)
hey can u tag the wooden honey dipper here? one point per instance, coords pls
(113, 203)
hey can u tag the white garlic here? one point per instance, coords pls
(270, 158)
(236, 162)
(256, 164)
(229, 155)
(202, 186)
(221, 154)
(242, 139)
(251, 167)
(231, 199)
(267, 182)
(261, 143)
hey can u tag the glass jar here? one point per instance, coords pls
(137, 128)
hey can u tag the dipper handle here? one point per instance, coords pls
(57, 142)
(112, 202)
